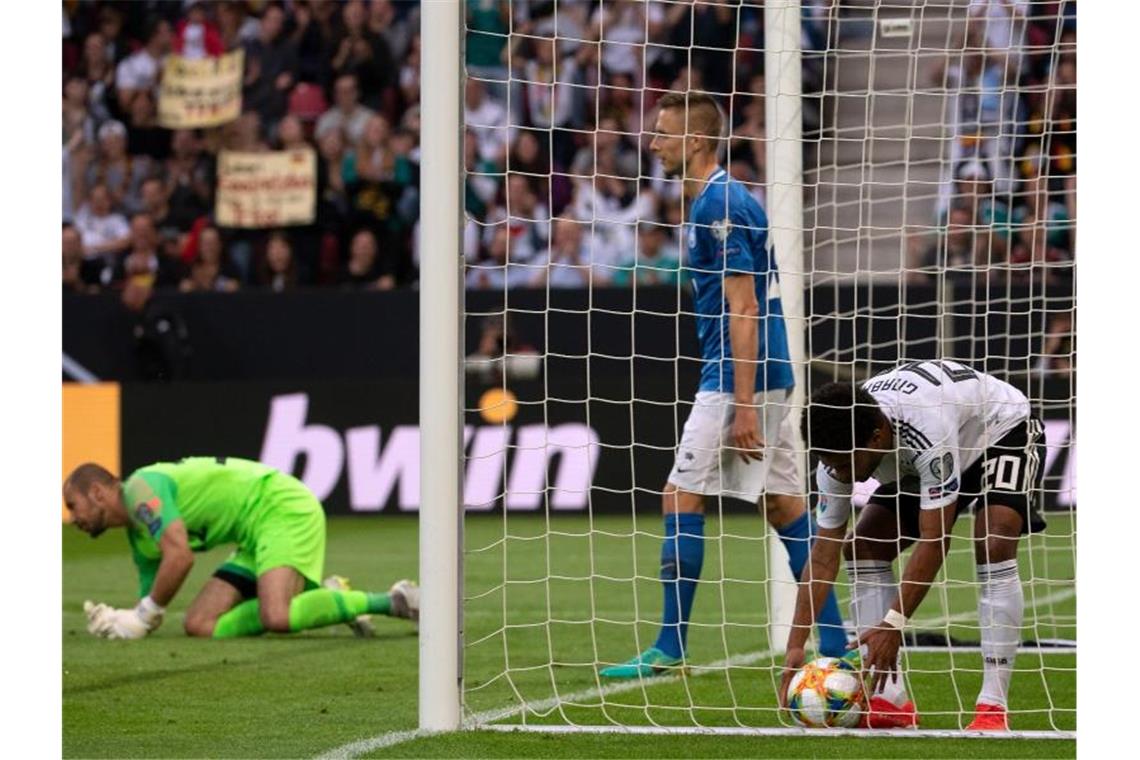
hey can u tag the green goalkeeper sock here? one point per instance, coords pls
(312, 609)
(242, 620)
(322, 606)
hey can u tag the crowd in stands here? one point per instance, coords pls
(560, 191)
(138, 201)
(1007, 210)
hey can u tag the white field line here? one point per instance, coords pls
(483, 719)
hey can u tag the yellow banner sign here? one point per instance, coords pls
(266, 189)
(200, 93)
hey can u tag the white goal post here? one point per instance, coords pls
(551, 440)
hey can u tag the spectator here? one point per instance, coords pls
(332, 160)
(76, 116)
(103, 231)
(409, 79)
(291, 134)
(235, 26)
(278, 268)
(114, 36)
(156, 203)
(312, 36)
(73, 275)
(527, 218)
(487, 120)
(1053, 214)
(656, 261)
(749, 137)
(608, 139)
(482, 184)
(144, 137)
(372, 160)
(974, 188)
(210, 270)
(487, 32)
(196, 37)
(960, 250)
(189, 175)
(244, 134)
(568, 264)
(270, 61)
(347, 114)
(499, 270)
(121, 173)
(997, 25)
(141, 70)
(385, 22)
(142, 264)
(95, 68)
(361, 52)
(1033, 259)
(364, 269)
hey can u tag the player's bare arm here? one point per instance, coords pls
(817, 579)
(883, 641)
(743, 327)
(177, 559)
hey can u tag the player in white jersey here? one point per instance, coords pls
(938, 437)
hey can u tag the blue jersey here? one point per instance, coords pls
(728, 234)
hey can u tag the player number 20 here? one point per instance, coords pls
(1002, 473)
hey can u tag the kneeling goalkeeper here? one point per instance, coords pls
(270, 582)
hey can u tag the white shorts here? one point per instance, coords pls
(706, 465)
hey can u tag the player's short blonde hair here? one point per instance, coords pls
(702, 114)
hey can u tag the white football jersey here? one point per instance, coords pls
(944, 416)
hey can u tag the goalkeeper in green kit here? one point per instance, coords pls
(270, 583)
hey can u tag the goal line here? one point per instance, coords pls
(897, 733)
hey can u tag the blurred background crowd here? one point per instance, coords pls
(561, 190)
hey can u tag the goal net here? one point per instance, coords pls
(916, 159)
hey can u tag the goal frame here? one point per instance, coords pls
(442, 376)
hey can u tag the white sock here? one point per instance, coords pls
(873, 591)
(999, 617)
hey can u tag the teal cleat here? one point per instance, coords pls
(651, 662)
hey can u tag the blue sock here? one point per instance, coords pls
(682, 554)
(796, 537)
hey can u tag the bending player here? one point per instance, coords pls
(938, 437)
(739, 439)
(270, 583)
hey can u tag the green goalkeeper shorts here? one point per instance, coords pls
(289, 533)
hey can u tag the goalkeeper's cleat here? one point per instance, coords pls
(649, 663)
(882, 713)
(405, 598)
(989, 718)
(361, 625)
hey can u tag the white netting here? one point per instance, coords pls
(939, 196)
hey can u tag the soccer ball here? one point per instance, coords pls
(828, 691)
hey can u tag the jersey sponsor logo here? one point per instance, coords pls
(722, 229)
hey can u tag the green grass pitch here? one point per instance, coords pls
(578, 591)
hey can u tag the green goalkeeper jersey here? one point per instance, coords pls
(217, 498)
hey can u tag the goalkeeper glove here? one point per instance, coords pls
(110, 623)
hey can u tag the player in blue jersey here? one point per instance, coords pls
(739, 439)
